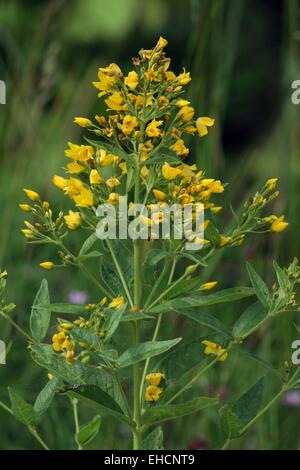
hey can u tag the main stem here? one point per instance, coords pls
(137, 436)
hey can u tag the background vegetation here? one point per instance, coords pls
(243, 56)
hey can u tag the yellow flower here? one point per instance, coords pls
(170, 173)
(129, 124)
(84, 198)
(112, 182)
(224, 240)
(115, 101)
(202, 123)
(70, 356)
(209, 285)
(152, 128)
(184, 78)
(170, 76)
(152, 393)
(82, 153)
(186, 113)
(132, 80)
(73, 186)
(31, 194)
(47, 265)
(214, 348)
(113, 198)
(271, 184)
(144, 171)
(123, 168)
(159, 195)
(179, 148)
(50, 376)
(25, 207)
(100, 119)
(73, 220)
(95, 177)
(117, 302)
(82, 122)
(105, 82)
(155, 378)
(27, 233)
(161, 43)
(57, 341)
(181, 103)
(279, 224)
(216, 209)
(59, 181)
(74, 167)
(105, 158)
(190, 129)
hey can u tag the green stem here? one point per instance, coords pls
(120, 273)
(32, 430)
(158, 322)
(17, 327)
(74, 402)
(137, 436)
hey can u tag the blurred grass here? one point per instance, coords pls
(243, 57)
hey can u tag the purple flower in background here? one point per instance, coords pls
(77, 297)
(292, 398)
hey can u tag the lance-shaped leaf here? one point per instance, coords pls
(205, 319)
(40, 315)
(230, 422)
(154, 440)
(144, 350)
(248, 405)
(45, 397)
(202, 300)
(250, 320)
(259, 286)
(101, 402)
(22, 410)
(159, 413)
(113, 319)
(88, 431)
(72, 309)
(88, 244)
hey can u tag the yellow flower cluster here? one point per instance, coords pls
(153, 391)
(62, 342)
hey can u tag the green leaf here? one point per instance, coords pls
(159, 413)
(40, 315)
(90, 255)
(101, 402)
(87, 336)
(22, 410)
(201, 300)
(45, 397)
(259, 286)
(73, 309)
(144, 350)
(88, 431)
(248, 405)
(87, 245)
(77, 373)
(212, 234)
(114, 318)
(196, 258)
(206, 319)
(230, 422)
(282, 277)
(261, 361)
(154, 440)
(136, 317)
(250, 320)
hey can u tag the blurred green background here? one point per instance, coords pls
(243, 56)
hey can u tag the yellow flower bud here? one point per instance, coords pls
(95, 177)
(25, 207)
(31, 194)
(279, 225)
(82, 122)
(59, 181)
(159, 195)
(209, 285)
(47, 265)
